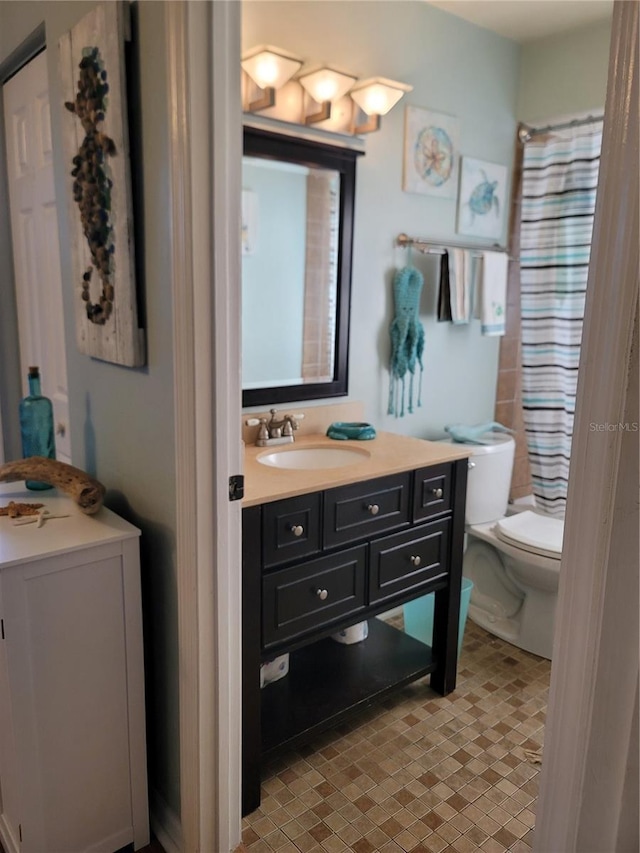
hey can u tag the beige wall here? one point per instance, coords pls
(122, 419)
(564, 74)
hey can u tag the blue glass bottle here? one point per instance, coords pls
(36, 425)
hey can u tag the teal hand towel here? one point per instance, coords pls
(474, 434)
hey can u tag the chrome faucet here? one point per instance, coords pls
(275, 431)
(282, 428)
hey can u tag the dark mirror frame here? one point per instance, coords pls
(275, 146)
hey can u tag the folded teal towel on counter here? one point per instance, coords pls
(344, 430)
(474, 434)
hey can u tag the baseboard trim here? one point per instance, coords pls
(165, 823)
(8, 842)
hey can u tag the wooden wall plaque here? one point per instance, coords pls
(96, 151)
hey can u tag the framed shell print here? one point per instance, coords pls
(430, 153)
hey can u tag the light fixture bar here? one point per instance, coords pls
(376, 97)
(319, 95)
(325, 86)
(269, 68)
(323, 113)
(267, 99)
(369, 126)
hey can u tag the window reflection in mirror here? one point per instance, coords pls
(297, 215)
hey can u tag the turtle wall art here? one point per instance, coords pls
(483, 199)
(100, 209)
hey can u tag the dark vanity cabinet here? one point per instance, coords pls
(320, 562)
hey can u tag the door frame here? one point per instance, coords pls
(590, 730)
(205, 138)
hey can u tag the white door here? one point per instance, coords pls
(34, 228)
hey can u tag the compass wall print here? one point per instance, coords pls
(431, 153)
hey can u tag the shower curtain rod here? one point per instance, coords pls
(433, 247)
(525, 133)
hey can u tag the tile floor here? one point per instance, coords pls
(418, 772)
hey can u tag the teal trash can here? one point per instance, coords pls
(418, 615)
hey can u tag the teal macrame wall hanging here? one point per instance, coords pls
(407, 340)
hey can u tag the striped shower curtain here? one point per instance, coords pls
(560, 174)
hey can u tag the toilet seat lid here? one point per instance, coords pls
(539, 534)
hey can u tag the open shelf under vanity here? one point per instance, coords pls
(328, 680)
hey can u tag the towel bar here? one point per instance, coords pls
(431, 247)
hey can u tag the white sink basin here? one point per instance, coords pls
(308, 458)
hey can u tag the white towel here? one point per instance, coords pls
(493, 293)
(460, 273)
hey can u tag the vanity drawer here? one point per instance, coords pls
(291, 529)
(406, 561)
(366, 509)
(432, 491)
(301, 598)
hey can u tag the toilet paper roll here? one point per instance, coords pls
(353, 634)
(274, 670)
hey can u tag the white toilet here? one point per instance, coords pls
(513, 560)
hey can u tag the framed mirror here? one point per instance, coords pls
(297, 233)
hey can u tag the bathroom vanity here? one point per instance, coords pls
(325, 548)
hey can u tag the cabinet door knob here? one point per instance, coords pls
(322, 594)
(374, 509)
(437, 493)
(471, 465)
(297, 529)
(416, 560)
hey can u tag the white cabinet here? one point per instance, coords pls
(72, 732)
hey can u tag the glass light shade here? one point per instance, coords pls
(326, 84)
(377, 95)
(270, 67)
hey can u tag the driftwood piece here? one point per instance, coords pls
(87, 492)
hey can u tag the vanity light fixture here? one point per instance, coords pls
(325, 86)
(339, 96)
(269, 68)
(375, 97)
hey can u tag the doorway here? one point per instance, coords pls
(34, 238)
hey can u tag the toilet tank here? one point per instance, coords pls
(489, 479)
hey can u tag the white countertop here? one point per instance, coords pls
(388, 453)
(21, 543)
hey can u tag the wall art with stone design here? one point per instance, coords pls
(96, 151)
